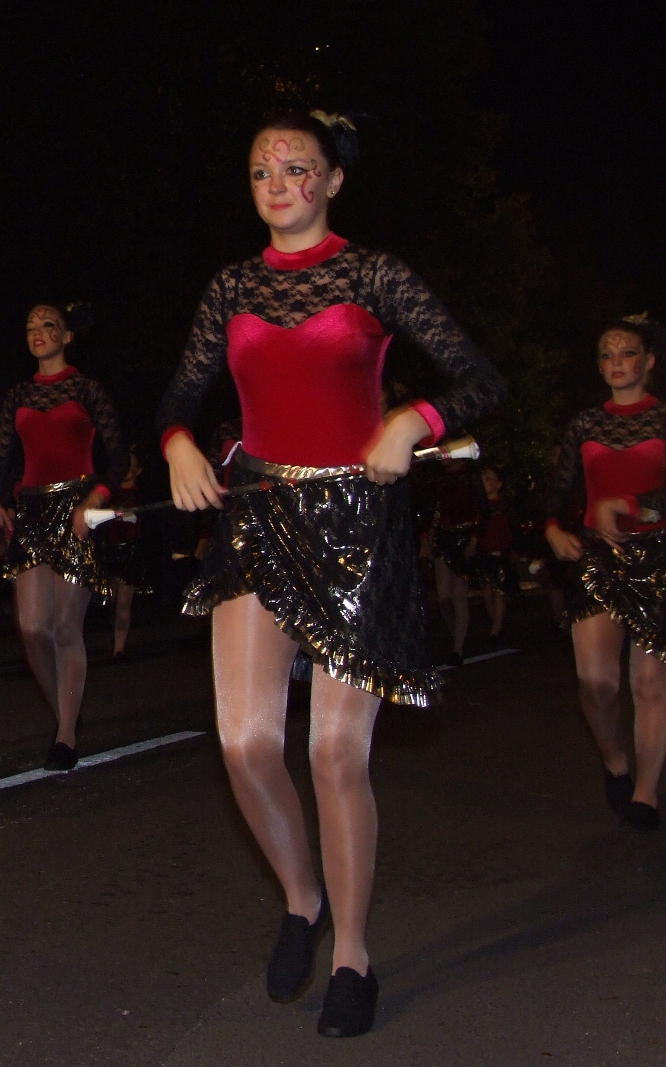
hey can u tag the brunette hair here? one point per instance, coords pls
(336, 137)
(650, 332)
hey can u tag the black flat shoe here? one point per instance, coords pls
(643, 816)
(61, 757)
(619, 791)
(349, 1004)
(291, 965)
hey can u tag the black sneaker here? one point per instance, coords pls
(349, 1004)
(643, 816)
(61, 757)
(619, 791)
(291, 965)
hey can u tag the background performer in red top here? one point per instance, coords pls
(621, 449)
(328, 562)
(53, 419)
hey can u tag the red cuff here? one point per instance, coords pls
(634, 506)
(552, 522)
(103, 491)
(434, 420)
(171, 432)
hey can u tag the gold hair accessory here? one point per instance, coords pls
(636, 318)
(332, 120)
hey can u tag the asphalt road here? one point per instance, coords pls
(515, 921)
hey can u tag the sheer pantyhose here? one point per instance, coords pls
(494, 602)
(50, 614)
(252, 660)
(452, 594)
(598, 646)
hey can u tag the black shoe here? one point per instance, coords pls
(291, 965)
(643, 816)
(349, 1004)
(454, 660)
(61, 757)
(619, 791)
(120, 659)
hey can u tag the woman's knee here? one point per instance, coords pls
(337, 759)
(600, 688)
(251, 756)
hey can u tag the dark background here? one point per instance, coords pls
(513, 153)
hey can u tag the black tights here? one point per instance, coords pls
(50, 614)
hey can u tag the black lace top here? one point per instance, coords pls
(380, 284)
(47, 396)
(595, 445)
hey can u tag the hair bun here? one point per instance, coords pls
(343, 131)
(80, 315)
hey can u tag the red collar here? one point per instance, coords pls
(47, 379)
(307, 257)
(631, 409)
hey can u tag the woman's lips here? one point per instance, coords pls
(279, 207)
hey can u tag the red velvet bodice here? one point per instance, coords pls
(310, 394)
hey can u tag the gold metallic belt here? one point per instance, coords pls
(54, 487)
(291, 472)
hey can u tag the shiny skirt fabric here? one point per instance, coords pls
(124, 561)
(490, 568)
(43, 534)
(336, 561)
(629, 584)
(450, 545)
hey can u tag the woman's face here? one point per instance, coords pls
(291, 180)
(623, 361)
(46, 332)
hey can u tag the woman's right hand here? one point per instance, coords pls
(194, 486)
(6, 524)
(565, 545)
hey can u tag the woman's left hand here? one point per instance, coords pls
(391, 457)
(605, 515)
(79, 525)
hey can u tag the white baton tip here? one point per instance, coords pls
(96, 516)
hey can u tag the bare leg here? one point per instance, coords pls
(123, 616)
(597, 645)
(452, 593)
(342, 721)
(70, 606)
(35, 596)
(252, 660)
(498, 608)
(648, 687)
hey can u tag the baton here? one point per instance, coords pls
(462, 448)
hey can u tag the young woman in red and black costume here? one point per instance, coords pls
(54, 417)
(621, 450)
(330, 561)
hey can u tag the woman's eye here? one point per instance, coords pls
(297, 170)
(259, 175)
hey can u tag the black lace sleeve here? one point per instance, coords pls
(9, 444)
(202, 361)
(102, 412)
(406, 304)
(568, 471)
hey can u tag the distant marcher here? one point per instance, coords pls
(55, 563)
(621, 449)
(492, 559)
(125, 559)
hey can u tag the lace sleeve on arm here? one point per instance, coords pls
(569, 469)
(104, 418)
(9, 444)
(204, 357)
(406, 303)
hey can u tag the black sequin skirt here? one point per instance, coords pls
(450, 545)
(124, 561)
(628, 583)
(43, 534)
(490, 568)
(335, 560)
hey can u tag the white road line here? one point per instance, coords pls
(477, 659)
(102, 757)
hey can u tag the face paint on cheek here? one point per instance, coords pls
(314, 173)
